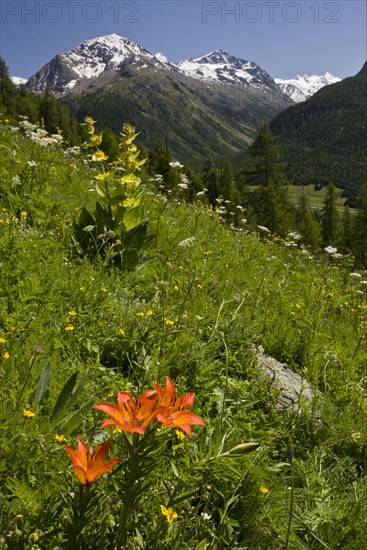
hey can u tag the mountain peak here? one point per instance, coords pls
(222, 67)
(69, 71)
(300, 88)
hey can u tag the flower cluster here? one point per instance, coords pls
(133, 416)
(158, 404)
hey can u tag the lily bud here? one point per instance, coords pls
(244, 448)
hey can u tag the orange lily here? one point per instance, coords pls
(172, 411)
(128, 415)
(90, 466)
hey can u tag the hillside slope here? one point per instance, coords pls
(325, 138)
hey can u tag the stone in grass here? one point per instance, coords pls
(293, 389)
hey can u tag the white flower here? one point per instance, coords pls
(32, 163)
(186, 242)
(356, 275)
(182, 185)
(330, 250)
(263, 228)
(176, 164)
(200, 193)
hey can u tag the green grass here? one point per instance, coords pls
(316, 197)
(191, 311)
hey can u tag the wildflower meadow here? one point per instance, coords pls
(133, 412)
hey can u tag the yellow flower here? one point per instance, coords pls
(69, 328)
(72, 313)
(149, 312)
(104, 177)
(169, 513)
(28, 414)
(2, 340)
(72, 166)
(169, 322)
(180, 434)
(169, 264)
(141, 314)
(200, 285)
(6, 355)
(82, 288)
(88, 120)
(293, 312)
(60, 439)
(99, 156)
(263, 489)
(104, 289)
(121, 332)
(356, 436)
(35, 537)
(23, 214)
(117, 431)
(176, 288)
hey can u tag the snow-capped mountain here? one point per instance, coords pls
(221, 67)
(301, 88)
(92, 59)
(18, 80)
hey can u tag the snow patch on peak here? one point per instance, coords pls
(18, 80)
(161, 57)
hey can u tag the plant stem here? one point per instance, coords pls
(291, 453)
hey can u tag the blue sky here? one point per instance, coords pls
(284, 37)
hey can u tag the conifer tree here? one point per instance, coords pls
(209, 178)
(330, 219)
(306, 223)
(269, 201)
(360, 228)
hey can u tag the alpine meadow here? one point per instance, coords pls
(183, 307)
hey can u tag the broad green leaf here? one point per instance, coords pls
(44, 425)
(64, 397)
(78, 391)
(73, 420)
(130, 260)
(43, 385)
(133, 217)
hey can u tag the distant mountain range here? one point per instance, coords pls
(70, 72)
(114, 80)
(213, 104)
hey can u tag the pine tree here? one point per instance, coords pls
(360, 229)
(269, 200)
(265, 155)
(209, 178)
(307, 224)
(330, 219)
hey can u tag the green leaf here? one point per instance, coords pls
(130, 260)
(44, 425)
(64, 397)
(133, 217)
(78, 391)
(174, 469)
(135, 238)
(43, 385)
(73, 420)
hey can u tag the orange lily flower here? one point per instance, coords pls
(172, 411)
(90, 466)
(128, 415)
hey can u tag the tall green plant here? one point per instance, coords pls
(116, 230)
